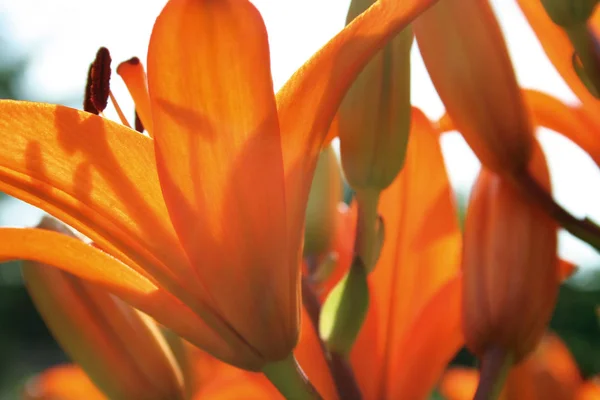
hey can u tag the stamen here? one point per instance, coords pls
(100, 77)
(133, 74)
(138, 123)
(118, 109)
(88, 105)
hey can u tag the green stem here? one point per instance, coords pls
(366, 233)
(287, 376)
(495, 365)
(341, 371)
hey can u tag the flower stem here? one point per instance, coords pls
(584, 229)
(287, 376)
(341, 371)
(495, 364)
(366, 233)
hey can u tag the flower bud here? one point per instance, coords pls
(567, 13)
(321, 211)
(510, 268)
(121, 349)
(374, 118)
(466, 57)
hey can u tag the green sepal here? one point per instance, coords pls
(345, 309)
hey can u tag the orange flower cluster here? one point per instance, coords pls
(213, 257)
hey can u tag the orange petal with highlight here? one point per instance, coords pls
(310, 356)
(589, 390)
(560, 51)
(418, 257)
(434, 335)
(220, 166)
(80, 259)
(572, 122)
(63, 382)
(459, 383)
(97, 176)
(550, 373)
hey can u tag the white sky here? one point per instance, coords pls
(63, 36)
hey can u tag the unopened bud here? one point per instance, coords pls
(510, 268)
(345, 309)
(567, 13)
(321, 211)
(121, 349)
(374, 117)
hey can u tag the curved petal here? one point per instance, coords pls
(559, 50)
(241, 386)
(421, 252)
(64, 382)
(220, 165)
(309, 100)
(459, 383)
(433, 338)
(589, 390)
(573, 122)
(309, 354)
(95, 175)
(85, 261)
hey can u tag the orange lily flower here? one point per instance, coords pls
(415, 289)
(466, 57)
(549, 373)
(201, 226)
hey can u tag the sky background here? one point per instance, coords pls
(62, 36)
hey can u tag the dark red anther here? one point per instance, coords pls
(138, 123)
(101, 79)
(88, 105)
(133, 61)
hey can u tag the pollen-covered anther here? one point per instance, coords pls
(88, 104)
(100, 79)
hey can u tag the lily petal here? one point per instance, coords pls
(85, 261)
(435, 335)
(421, 252)
(95, 175)
(573, 122)
(63, 382)
(459, 383)
(312, 361)
(220, 166)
